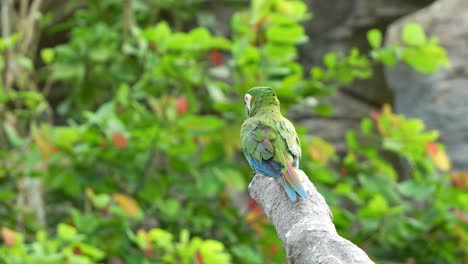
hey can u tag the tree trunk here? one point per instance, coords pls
(305, 226)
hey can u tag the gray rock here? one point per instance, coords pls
(441, 99)
(339, 25)
(347, 113)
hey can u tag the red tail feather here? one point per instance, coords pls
(293, 179)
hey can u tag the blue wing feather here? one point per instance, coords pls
(268, 168)
(289, 190)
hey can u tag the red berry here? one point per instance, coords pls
(199, 257)
(216, 57)
(181, 105)
(120, 141)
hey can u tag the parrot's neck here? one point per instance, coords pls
(268, 111)
(266, 106)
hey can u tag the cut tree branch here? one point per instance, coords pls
(305, 226)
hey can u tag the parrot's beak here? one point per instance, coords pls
(247, 99)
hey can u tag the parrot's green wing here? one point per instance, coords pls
(266, 139)
(256, 140)
(288, 133)
(272, 148)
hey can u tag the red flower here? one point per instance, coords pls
(432, 148)
(120, 141)
(273, 248)
(199, 257)
(148, 252)
(461, 215)
(343, 171)
(76, 250)
(253, 206)
(181, 105)
(375, 115)
(216, 57)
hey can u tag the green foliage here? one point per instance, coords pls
(423, 54)
(413, 35)
(184, 251)
(67, 246)
(374, 36)
(408, 213)
(147, 145)
(264, 45)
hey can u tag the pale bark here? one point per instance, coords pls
(24, 21)
(305, 226)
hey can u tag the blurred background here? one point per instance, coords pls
(120, 119)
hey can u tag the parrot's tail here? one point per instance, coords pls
(292, 183)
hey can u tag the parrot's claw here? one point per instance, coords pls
(253, 173)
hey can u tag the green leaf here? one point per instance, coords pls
(427, 58)
(366, 126)
(161, 238)
(9, 42)
(65, 231)
(85, 222)
(280, 52)
(101, 200)
(100, 54)
(343, 189)
(77, 259)
(286, 34)
(64, 72)
(386, 55)
(324, 175)
(418, 191)
(169, 207)
(47, 55)
(277, 19)
(91, 251)
(317, 73)
(13, 136)
(247, 254)
(392, 145)
(65, 137)
(231, 177)
(324, 110)
(208, 183)
(153, 191)
(330, 59)
(184, 237)
(351, 139)
(374, 36)
(413, 34)
(158, 34)
(25, 62)
(212, 251)
(376, 207)
(321, 150)
(202, 124)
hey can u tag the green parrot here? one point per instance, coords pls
(269, 141)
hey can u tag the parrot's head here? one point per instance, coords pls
(258, 98)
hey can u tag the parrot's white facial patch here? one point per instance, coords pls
(247, 99)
